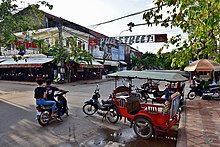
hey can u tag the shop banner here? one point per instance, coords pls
(93, 41)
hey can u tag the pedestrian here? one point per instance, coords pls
(40, 96)
(37, 78)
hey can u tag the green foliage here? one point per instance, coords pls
(200, 19)
(74, 52)
(12, 21)
(135, 62)
(149, 61)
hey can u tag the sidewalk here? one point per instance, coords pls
(93, 81)
(199, 124)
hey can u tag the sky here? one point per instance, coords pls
(90, 12)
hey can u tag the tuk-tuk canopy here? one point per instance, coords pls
(153, 75)
(203, 65)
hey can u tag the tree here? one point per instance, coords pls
(135, 62)
(200, 19)
(149, 61)
(11, 20)
(73, 53)
(165, 60)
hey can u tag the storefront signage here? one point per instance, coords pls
(26, 44)
(93, 41)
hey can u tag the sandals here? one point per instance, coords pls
(53, 116)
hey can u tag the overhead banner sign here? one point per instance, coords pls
(134, 39)
(143, 38)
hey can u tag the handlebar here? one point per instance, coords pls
(61, 93)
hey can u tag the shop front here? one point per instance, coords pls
(84, 71)
(26, 70)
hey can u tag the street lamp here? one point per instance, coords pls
(119, 48)
(130, 29)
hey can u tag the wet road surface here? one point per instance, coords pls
(127, 138)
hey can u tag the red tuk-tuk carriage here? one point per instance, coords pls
(148, 119)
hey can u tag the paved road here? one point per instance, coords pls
(18, 126)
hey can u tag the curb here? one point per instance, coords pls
(181, 135)
(73, 83)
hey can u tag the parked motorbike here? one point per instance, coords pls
(58, 81)
(210, 92)
(106, 108)
(44, 112)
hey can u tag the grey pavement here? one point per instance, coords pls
(200, 123)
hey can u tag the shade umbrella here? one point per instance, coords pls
(203, 65)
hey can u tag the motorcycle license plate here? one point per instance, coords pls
(38, 113)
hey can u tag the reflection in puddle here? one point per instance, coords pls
(127, 137)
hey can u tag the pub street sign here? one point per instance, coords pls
(134, 39)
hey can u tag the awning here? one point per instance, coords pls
(31, 62)
(108, 62)
(95, 64)
(122, 62)
(1, 60)
(111, 63)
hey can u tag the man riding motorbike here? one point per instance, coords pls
(50, 96)
(40, 96)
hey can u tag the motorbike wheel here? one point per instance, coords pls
(143, 128)
(217, 92)
(89, 109)
(44, 118)
(191, 95)
(113, 115)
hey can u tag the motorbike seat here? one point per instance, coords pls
(45, 106)
(106, 103)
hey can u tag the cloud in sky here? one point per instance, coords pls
(90, 12)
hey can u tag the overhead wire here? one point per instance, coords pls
(96, 25)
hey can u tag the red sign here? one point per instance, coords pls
(160, 37)
(93, 41)
(20, 65)
(27, 44)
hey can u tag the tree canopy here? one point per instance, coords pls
(200, 19)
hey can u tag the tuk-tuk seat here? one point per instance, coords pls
(160, 108)
(133, 104)
(121, 91)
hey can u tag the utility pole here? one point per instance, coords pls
(60, 42)
(119, 48)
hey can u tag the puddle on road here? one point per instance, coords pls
(127, 138)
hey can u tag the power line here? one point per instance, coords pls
(96, 25)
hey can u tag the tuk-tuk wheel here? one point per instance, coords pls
(143, 128)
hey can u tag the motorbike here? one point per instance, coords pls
(58, 81)
(44, 112)
(210, 92)
(106, 108)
